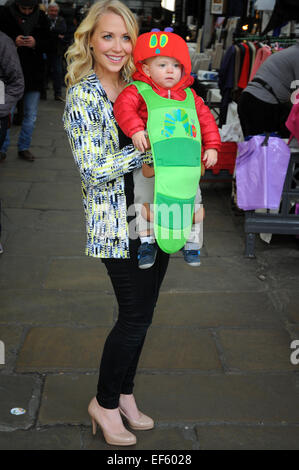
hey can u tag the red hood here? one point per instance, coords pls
(167, 44)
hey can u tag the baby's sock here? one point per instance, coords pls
(148, 239)
(192, 246)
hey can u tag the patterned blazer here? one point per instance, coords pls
(91, 129)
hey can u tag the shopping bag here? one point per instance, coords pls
(261, 169)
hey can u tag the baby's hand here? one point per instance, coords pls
(140, 141)
(210, 157)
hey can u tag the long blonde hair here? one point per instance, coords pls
(79, 56)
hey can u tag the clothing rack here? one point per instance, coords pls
(271, 39)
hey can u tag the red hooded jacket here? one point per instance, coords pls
(130, 109)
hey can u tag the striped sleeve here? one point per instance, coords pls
(85, 122)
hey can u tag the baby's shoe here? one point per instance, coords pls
(192, 257)
(147, 255)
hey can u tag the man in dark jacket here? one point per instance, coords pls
(28, 27)
(58, 30)
(11, 88)
(11, 82)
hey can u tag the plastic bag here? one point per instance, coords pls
(232, 131)
(261, 169)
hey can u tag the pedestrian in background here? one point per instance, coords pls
(28, 27)
(11, 89)
(100, 65)
(55, 55)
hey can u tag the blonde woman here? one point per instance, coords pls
(99, 66)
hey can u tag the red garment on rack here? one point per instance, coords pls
(243, 81)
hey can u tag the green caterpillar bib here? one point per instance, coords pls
(175, 137)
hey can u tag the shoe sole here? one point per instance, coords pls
(146, 266)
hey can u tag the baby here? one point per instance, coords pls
(169, 75)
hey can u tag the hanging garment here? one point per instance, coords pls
(243, 81)
(226, 81)
(293, 122)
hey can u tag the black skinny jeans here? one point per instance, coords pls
(137, 292)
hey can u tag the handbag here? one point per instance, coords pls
(261, 168)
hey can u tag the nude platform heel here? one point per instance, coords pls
(124, 438)
(142, 424)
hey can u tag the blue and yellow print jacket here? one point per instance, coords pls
(91, 129)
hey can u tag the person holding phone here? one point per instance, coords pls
(28, 27)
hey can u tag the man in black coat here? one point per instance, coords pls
(11, 88)
(28, 27)
(11, 82)
(55, 56)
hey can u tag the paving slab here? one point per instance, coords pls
(26, 174)
(222, 274)
(22, 271)
(214, 200)
(47, 307)
(20, 218)
(18, 391)
(14, 195)
(54, 195)
(290, 305)
(10, 336)
(284, 271)
(220, 398)
(248, 437)
(42, 148)
(65, 399)
(68, 176)
(84, 273)
(56, 438)
(50, 220)
(61, 349)
(183, 398)
(179, 348)
(64, 221)
(214, 309)
(56, 164)
(155, 439)
(256, 350)
(44, 243)
(215, 222)
(224, 243)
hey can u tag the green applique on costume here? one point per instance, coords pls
(174, 133)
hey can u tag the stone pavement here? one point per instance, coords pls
(215, 372)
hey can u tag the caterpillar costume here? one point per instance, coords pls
(175, 136)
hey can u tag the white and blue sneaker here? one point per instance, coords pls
(147, 253)
(192, 257)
